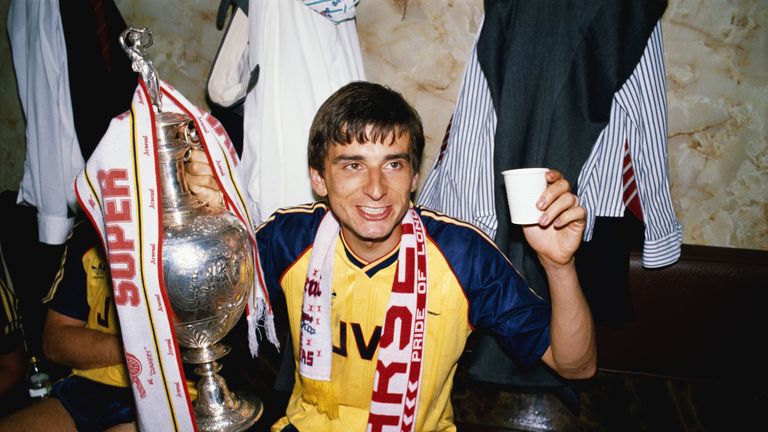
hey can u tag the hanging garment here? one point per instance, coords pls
(538, 100)
(552, 107)
(303, 58)
(460, 183)
(638, 119)
(231, 76)
(335, 10)
(53, 156)
(101, 81)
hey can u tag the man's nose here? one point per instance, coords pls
(375, 186)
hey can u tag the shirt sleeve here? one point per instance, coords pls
(282, 239)
(266, 258)
(460, 183)
(639, 118)
(644, 99)
(501, 301)
(499, 298)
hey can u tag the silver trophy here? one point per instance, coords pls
(207, 261)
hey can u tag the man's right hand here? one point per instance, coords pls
(201, 181)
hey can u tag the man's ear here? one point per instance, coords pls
(318, 182)
(415, 182)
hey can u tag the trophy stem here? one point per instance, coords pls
(217, 408)
(206, 354)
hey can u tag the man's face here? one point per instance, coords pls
(368, 188)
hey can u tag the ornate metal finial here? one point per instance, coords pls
(135, 42)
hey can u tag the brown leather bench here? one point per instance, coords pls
(702, 318)
(688, 360)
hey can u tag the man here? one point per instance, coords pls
(381, 295)
(12, 355)
(82, 331)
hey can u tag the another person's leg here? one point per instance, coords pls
(46, 415)
(123, 427)
(77, 403)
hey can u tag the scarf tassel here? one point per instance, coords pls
(320, 394)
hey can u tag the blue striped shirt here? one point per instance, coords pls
(639, 117)
(461, 182)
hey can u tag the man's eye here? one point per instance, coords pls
(395, 164)
(353, 166)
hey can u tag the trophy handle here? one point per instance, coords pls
(135, 41)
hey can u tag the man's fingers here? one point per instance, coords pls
(200, 179)
(209, 196)
(199, 173)
(557, 208)
(553, 191)
(196, 168)
(197, 164)
(198, 156)
(553, 176)
(196, 177)
(575, 214)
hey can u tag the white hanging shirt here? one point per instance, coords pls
(53, 157)
(303, 58)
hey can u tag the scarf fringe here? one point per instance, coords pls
(259, 318)
(320, 394)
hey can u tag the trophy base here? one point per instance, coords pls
(217, 408)
(247, 411)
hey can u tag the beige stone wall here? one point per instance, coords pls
(717, 84)
(717, 61)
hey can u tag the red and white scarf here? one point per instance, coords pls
(119, 190)
(395, 396)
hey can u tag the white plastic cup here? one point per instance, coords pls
(524, 188)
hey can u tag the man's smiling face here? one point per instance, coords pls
(368, 188)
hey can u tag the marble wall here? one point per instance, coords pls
(717, 83)
(717, 67)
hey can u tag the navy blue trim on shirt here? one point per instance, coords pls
(384, 262)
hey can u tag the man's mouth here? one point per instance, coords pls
(373, 212)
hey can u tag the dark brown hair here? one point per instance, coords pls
(347, 115)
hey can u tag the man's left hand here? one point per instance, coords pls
(558, 234)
